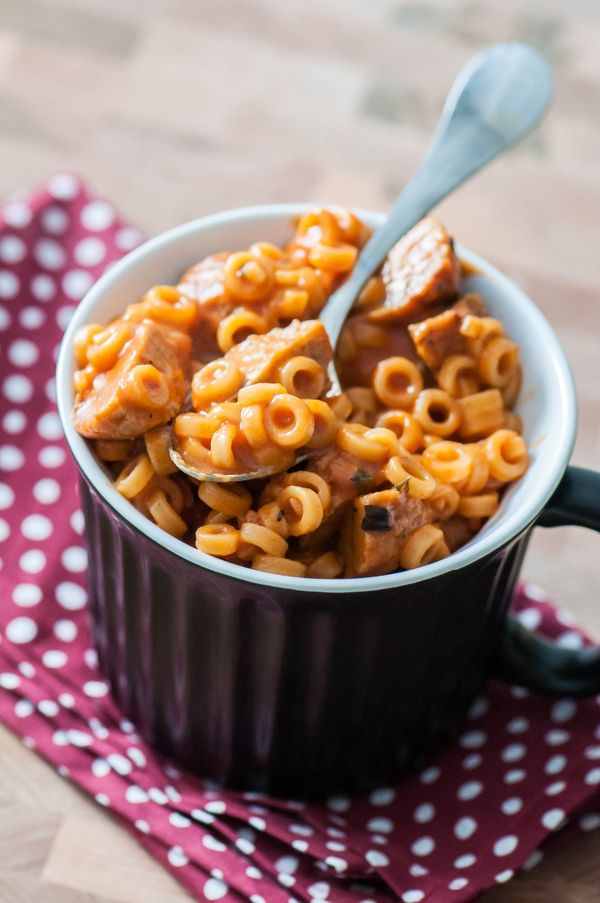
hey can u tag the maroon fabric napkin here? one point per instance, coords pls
(524, 766)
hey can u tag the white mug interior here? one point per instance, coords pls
(547, 400)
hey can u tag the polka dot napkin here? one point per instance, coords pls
(524, 766)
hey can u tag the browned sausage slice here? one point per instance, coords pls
(421, 270)
(204, 283)
(125, 402)
(260, 356)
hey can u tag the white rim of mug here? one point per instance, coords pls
(503, 531)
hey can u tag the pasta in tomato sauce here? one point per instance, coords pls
(230, 367)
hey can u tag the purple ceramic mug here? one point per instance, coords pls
(303, 686)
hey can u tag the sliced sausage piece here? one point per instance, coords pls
(260, 356)
(437, 337)
(346, 475)
(204, 283)
(120, 406)
(375, 526)
(420, 271)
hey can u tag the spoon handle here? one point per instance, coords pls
(496, 99)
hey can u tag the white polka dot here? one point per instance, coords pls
(7, 496)
(503, 877)
(570, 640)
(465, 827)
(555, 788)
(119, 764)
(256, 822)
(142, 825)
(55, 220)
(563, 710)
(214, 888)
(9, 284)
(4, 530)
(17, 388)
(469, 790)
(135, 795)
(514, 752)
(257, 898)
(90, 657)
(531, 618)
(64, 316)
(593, 777)
(27, 669)
(67, 700)
(32, 317)
(54, 658)
(77, 522)
(514, 776)
(177, 858)
(49, 254)
(27, 595)
(11, 457)
(74, 559)
(97, 215)
(512, 805)
(553, 819)
(76, 283)
(128, 238)
(478, 708)
(211, 843)
(79, 738)
(100, 768)
(95, 689)
(518, 725)
(5, 318)
(592, 752)
(556, 737)
(458, 883)
(89, 251)
(430, 775)
(71, 596)
(23, 708)
(43, 287)
(338, 803)
(16, 214)
(506, 845)
(49, 427)
(555, 764)
(60, 738)
(300, 845)
(63, 186)
(590, 821)
(12, 249)
(51, 456)
(9, 681)
(413, 896)
(383, 796)
(158, 796)
(320, 890)
(465, 861)
(380, 825)
(424, 813)
(46, 491)
(473, 739)
(14, 421)
(36, 527)
(423, 846)
(205, 817)
(417, 870)
(33, 561)
(21, 630)
(48, 708)
(377, 859)
(179, 821)
(217, 807)
(303, 830)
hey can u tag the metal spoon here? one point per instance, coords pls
(496, 99)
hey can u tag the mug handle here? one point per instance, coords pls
(524, 657)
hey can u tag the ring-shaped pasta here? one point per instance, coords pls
(507, 455)
(106, 346)
(498, 362)
(437, 412)
(173, 492)
(337, 258)
(310, 480)
(340, 405)
(195, 452)
(303, 509)
(114, 449)
(423, 546)
(326, 566)
(166, 304)
(268, 541)
(367, 334)
(479, 330)
(145, 386)
(266, 249)
(157, 448)
(397, 382)
(302, 376)
(408, 472)
(326, 424)
(259, 393)
(247, 277)
(233, 500)
(448, 462)
(195, 426)
(319, 224)
(134, 477)
(511, 391)
(479, 472)
(220, 540)
(481, 414)
(82, 341)
(164, 515)
(216, 381)
(271, 515)
(484, 505)
(292, 304)
(444, 501)
(238, 326)
(252, 424)
(458, 375)
(274, 565)
(405, 426)
(353, 440)
(221, 447)
(289, 421)
(385, 437)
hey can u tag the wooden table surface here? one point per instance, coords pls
(176, 108)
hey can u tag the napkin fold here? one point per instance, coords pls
(525, 768)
